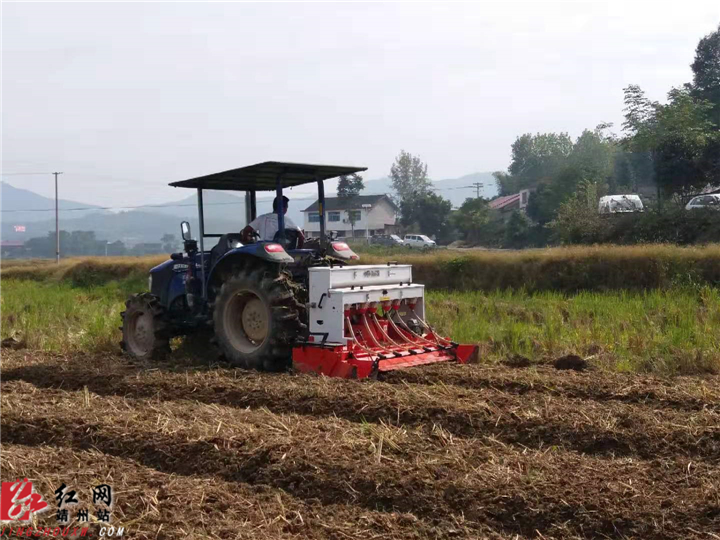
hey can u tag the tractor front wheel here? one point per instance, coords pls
(256, 318)
(144, 329)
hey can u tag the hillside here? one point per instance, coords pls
(40, 208)
(453, 189)
(224, 211)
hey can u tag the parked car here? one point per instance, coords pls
(386, 240)
(419, 241)
(711, 200)
(620, 204)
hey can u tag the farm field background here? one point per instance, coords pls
(501, 449)
(570, 302)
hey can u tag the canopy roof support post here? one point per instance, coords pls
(280, 210)
(201, 219)
(321, 211)
(253, 205)
(248, 208)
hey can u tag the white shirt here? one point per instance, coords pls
(267, 225)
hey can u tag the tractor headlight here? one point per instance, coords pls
(150, 282)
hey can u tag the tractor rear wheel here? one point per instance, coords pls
(256, 318)
(144, 330)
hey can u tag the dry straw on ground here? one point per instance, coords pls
(559, 269)
(447, 451)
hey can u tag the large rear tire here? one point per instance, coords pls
(144, 329)
(256, 318)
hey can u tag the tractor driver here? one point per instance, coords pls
(265, 226)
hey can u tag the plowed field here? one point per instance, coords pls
(436, 452)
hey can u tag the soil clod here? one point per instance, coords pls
(571, 361)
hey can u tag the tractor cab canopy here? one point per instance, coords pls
(266, 176)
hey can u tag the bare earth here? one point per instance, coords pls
(436, 452)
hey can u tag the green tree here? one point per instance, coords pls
(640, 117)
(116, 248)
(71, 243)
(472, 219)
(679, 136)
(349, 187)
(43, 246)
(516, 230)
(169, 242)
(706, 73)
(82, 243)
(429, 212)
(577, 219)
(409, 177)
(624, 177)
(594, 153)
(505, 183)
(534, 158)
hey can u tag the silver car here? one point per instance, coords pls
(419, 241)
(711, 200)
(386, 240)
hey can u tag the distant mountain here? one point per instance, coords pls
(456, 190)
(129, 227)
(16, 199)
(224, 211)
(223, 206)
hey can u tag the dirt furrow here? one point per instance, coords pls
(439, 479)
(689, 394)
(162, 506)
(531, 420)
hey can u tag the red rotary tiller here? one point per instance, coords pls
(375, 325)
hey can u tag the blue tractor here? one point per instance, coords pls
(248, 295)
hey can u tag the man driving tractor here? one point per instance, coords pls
(265, 226)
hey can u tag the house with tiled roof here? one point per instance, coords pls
(362, 215)
(508, 204)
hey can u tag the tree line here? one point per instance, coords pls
(667, 152)
(85, 243)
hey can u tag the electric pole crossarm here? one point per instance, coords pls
(477, 186)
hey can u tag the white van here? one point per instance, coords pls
(620, 204)
(419, 241)
(711, 200)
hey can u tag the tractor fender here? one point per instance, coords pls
(168, 281)
(245, 253)
(176, 287)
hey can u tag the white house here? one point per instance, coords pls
(372, 214)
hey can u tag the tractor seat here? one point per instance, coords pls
(226, 243)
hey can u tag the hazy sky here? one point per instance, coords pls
(125, 98)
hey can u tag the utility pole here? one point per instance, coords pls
(477, 186)
(57, 221)
(367, 208)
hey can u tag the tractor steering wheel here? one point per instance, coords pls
(293, 239)
(249, 235)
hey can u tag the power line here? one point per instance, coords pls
(95, 208)
(25, 173)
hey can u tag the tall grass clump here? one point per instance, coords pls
(81, 271)
(570, 269)
(60, 317)
(663, 331)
